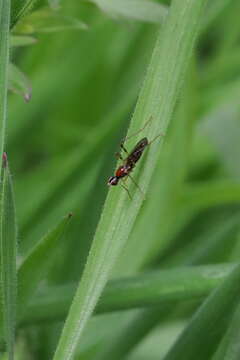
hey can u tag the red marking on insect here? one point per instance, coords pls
(130, 161)
(121, 171)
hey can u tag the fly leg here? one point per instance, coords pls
(137, 132)
(136, 184)
(119, 156)
(125, 188)
(129, 137)
(123, 148)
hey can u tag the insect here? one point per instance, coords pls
(124, 170)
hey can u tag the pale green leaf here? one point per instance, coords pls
(229, 348)
(19, 83)
(141, 10)
(17, 40)
(46, 20)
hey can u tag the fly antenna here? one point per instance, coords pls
(137, 132)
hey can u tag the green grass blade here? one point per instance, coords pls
(229, 348)
(142, 325)
(20, 9)
(54, 4)
(162, 219)
(4, 60)
(209, 322)
(140, 10)
(159, 287)
(36, 265)
(157, 99)
(46, 20)
(207, 194)
(8, 243)
(19, 83)
(213, 10)
(17, 40)
(162, 286)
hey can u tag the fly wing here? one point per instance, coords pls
(140, 146)
(137, 151)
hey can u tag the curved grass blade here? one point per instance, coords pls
(19, 9)
(207, 326)
(8, 243)
(158, 97)
(229, 348)
(36, 265)
(147, 289)
(4, 60)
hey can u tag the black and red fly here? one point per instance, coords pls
(124, 170)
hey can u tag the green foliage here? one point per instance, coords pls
(34, 268)
(117, 221)
(170, 262)
(141, 10)
(229, 346)
(146, 290)
(210, 321)
(8, 252)
(4, 56)
(18, 82)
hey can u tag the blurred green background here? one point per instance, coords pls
(61, 146)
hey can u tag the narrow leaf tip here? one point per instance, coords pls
(4, 159)
(27, 97)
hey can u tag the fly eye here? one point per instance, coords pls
(113, 180)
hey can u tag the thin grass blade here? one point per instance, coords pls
(148, 289)
(36, 265)
(158, 97)
(229, 348)
(4, 60)
(19, 9)
(209, 323)
(19, 83)
(8, 243)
